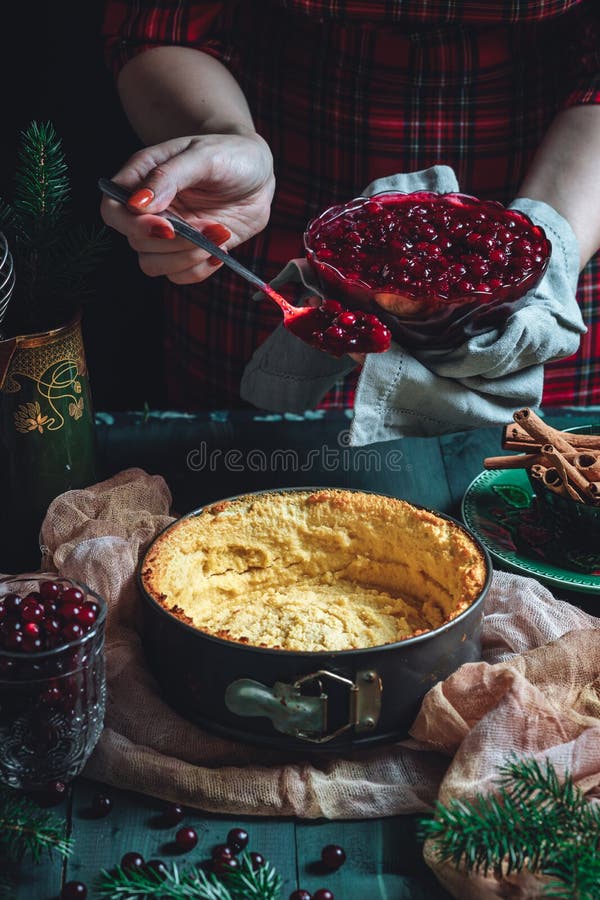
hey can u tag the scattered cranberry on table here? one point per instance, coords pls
(222, 864)
(101, 806)
(172, 815)
(186, 839)
(73, 890)
(323, 894)
(157, 867)
(132, 860)
(222, 851)
(51, 794)
(237, 839)
(333, 856)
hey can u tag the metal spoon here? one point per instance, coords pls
(317, 326)
(116, 192)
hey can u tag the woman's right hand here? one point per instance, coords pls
(209, 180)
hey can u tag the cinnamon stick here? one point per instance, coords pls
(526, 419)
(515, 461)
(550, 477)
(526, 446)
(588, 464)
(540, 430)
(576, 484)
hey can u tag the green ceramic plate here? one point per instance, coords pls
(498, 507)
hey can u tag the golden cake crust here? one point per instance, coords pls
(323, 570)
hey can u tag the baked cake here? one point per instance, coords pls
(314, 570)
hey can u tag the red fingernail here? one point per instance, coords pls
(213, 261)
(162, 231)
(216, 233)
(140, 199)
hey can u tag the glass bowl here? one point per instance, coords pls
(52, 701)
(451, 266)
(577, 523)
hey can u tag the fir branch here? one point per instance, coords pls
(41, 182)
(192, 883)
(536, 822)
(27, 829)
(54, 260)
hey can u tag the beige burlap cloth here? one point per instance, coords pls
(537, 692)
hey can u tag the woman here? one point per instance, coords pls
(339, 95)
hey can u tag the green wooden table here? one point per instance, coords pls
(204, 457)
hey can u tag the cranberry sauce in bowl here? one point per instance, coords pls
(446, 265)
(52, 678)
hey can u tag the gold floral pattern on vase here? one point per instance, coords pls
(76, 408)
(28, 417)
(53, 369)
(46, 424)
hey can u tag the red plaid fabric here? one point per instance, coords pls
(345, 92)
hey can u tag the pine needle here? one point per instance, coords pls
(192, 883)
(536, 821)
(25, 829)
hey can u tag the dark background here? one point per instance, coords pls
(52, 69)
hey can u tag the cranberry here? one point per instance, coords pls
(257, 860)
(50, 590)
(300, 894)
(237, 839)
(222, 864)
(132, 861)
(50, 695)
(73, 890)
(340, 332)
(12, 603)
(86, 616)
(186, 839)
(14, 641)
(222, 851)
(172, 815)
(72, 631)
(323, 894)
(73, 595)
(156, 867)
(333, 856)
(69, 610)
(32, 611)
(101, 806)
(51, 794)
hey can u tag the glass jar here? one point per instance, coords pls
(52, 699)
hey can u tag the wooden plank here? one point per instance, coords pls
(464, 452)
(132, 825)
(383, 860)
(38, 882)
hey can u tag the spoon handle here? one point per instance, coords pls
(116, 192)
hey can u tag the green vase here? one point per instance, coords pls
(47, 420)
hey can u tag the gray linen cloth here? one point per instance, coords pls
(428, 392)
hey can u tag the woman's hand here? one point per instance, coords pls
(206, 179)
